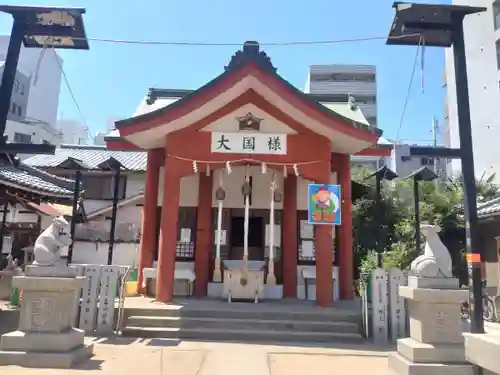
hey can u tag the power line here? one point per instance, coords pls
(87, 129)
(269, 44)
(265, 44)
(408, 91)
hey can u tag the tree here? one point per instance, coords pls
(443, 207)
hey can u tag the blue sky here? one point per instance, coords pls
(110, 80)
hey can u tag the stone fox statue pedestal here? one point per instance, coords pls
(436, 344)
(45, 337)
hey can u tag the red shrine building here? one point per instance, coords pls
(226, 181)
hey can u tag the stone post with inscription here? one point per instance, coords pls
(45, 337)
(436, 344)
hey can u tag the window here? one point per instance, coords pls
(496, 14)
(405, 158)
(22, 138)
(19, 111)
(101, 187)
(13, 108)
(350, 77)
(427, 161)
(498, 53)
(46, 142)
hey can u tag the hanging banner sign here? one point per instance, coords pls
(248, 143)
(323, 203)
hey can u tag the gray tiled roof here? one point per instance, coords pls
(489, 208)
(32, 179)
(91, 156)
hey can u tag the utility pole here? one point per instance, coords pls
(435, 132)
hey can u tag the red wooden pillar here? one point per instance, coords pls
(290, 237)
(168, 230)
(346, 262)
(323, 245)
(148, 226)
(203, 235)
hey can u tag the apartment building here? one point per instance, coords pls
(482, 46)
(338, 82)
(341, 80)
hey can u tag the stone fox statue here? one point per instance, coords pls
(48, 245)
(436, 259)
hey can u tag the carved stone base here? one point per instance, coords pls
(435, 345)
(46, 360)
(402, 366)
(45, 336)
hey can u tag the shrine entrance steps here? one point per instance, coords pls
(214, 320)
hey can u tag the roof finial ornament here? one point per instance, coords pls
(250, 53)
(351, 102)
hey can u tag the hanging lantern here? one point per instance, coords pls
(228, 167)
(220, 194)
(296, 170)
(246, 189)
(277, 196)
(195, 166)
(263, 168)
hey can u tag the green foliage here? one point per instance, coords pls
(439, 204)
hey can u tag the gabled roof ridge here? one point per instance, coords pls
(62, 182)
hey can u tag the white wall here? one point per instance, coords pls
(232, 185)
(268, 124)
(16, 214)
(484, 93)
(43, 98)
(124, 254)
(39, 132)
(73, 132)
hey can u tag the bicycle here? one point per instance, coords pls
(489, 310)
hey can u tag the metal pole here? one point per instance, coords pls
(245, 223)
(378, 221)
(9, 71)
(2, 229)
(74, 213)
(113, 215)
(472, 242)
(416, 200)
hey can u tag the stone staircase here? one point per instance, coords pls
(244, 322)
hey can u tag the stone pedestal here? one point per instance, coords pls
(435, 345)
(45, 337)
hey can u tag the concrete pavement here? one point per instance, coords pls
(121, 356)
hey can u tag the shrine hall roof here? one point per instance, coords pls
(91, 157)
(249, 55)
(339, 104)
(20, 176)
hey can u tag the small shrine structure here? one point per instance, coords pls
(229, 164)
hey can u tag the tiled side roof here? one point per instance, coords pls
(489, 208)
(91, 156)
(34, 180)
